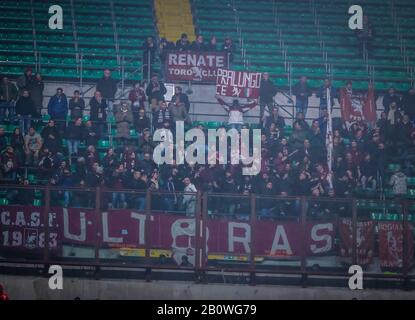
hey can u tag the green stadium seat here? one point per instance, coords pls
(411, 181)
(411, 193)
(103, 144)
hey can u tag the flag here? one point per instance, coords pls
(329, 141)
(358, 106)
(369, 107)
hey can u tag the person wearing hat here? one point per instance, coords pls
(236, 111)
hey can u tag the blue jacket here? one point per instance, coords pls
(58, 107)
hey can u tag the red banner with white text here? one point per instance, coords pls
(238, 84)
(391, 248)
(22, 228)
(365, 240)
(194, 66)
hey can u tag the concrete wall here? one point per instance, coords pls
(28, 287)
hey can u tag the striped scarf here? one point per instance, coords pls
(163, 115)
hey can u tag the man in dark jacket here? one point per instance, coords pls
(183, 44)
(98, 111)
(274, 117)
(149, 53)
(182, 97)
(155, 91)
(58, 109)
(161, 115)
(51, 137)
(76, 105)
(26, 110)
(108, 87)
(36, 92)
(142, 122)
(74, 134)
(365, 37)
(164, 48)
(322, 94)
(408, 103)
(267, 91)
(8, 97)
(389, 98)
(198, 45)
(25, 80)
(301, 92)
(91, 134)
(98, 106)
(229, 48)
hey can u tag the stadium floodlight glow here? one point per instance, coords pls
(217, 147)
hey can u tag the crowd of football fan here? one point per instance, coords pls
(63, 144)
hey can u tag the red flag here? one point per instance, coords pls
(358, 106)
(391, 250)
(345, 104)
(369, 107)
(365, 238)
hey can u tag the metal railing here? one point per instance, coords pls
(399, 35)
(253, 234)
(35, 52)
(75, 36)
(116, 42)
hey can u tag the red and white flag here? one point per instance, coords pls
(358, 106)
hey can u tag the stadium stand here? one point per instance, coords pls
(95, 151)
(174, 18)
(96, 34)
(309, 38)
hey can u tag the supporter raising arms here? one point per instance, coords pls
(236, 111)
